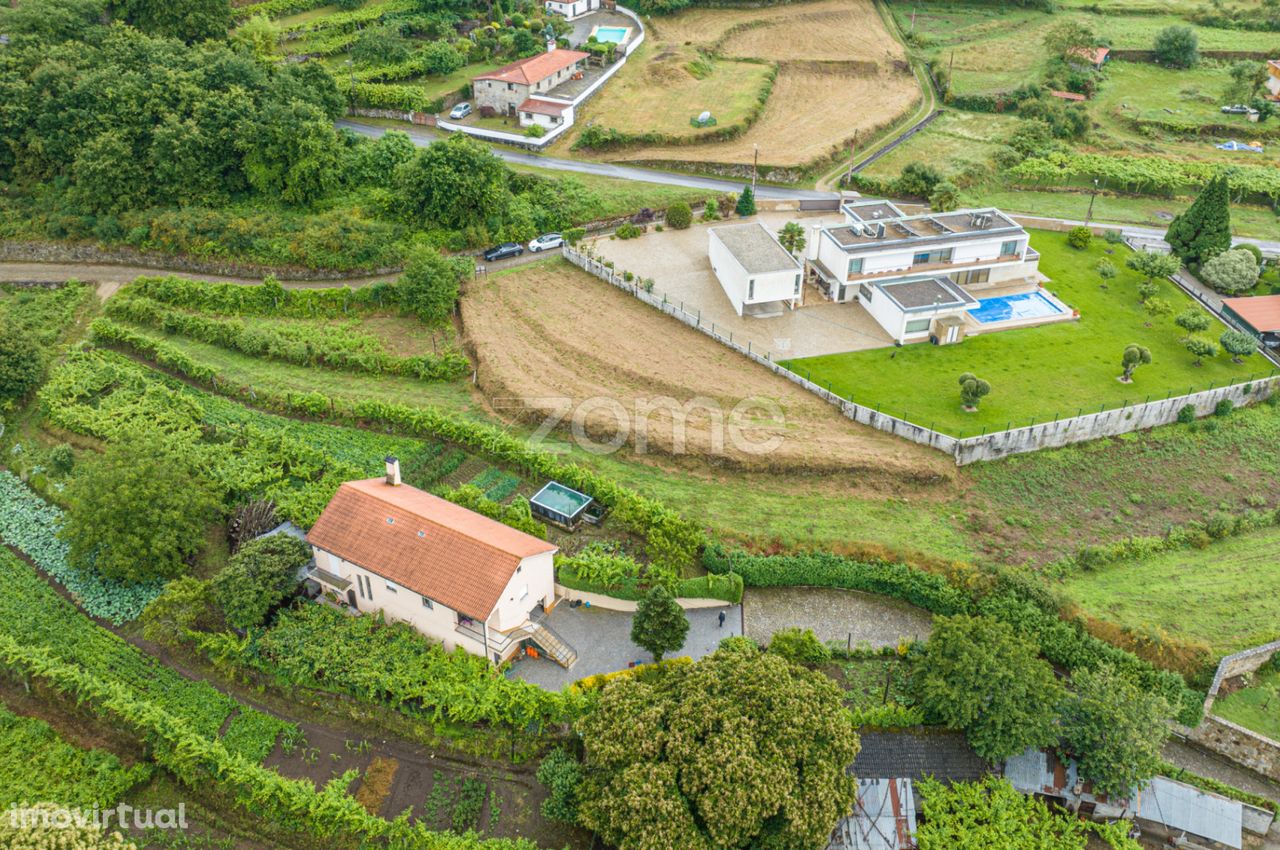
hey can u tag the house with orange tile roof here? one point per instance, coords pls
(453, 574)
(512, 89)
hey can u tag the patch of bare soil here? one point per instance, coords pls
(553, 340)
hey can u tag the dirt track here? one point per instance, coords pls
(551, 337)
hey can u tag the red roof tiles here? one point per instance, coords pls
(1262, 312)
(429, 545)
(542, 107)
(535, 68)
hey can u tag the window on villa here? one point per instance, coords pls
(855, 266)
(973, 276)
(427, 603)
(751, 289)
(1008, 249)
(930, 257)
(797, 284)
(524, 593)
(391, 586)
(916, 326)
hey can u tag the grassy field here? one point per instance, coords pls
(1210, 595)
(990, 48)
(1037, 373)
(953, 142)
(1139, 91)
(1256, 707)
(661, 88)
(1257, 222)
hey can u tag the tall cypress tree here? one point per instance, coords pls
(1204, 229)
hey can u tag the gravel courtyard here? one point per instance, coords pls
(677, 261)
(846, 616)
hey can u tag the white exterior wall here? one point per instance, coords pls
(894, 319)
(966, 254)
(572, 10)
(548, 121)
(737, 283)
(439, 622)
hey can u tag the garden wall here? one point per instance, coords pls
(609, 603)
(30, 251)
(1243, 746)
(1060, 432)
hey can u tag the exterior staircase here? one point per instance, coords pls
(556, 647)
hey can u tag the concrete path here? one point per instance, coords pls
(602, 640)
(423, 138)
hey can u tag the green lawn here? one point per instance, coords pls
(1040, 373)
(954, 141)
(1256, 707)
(1218, 596)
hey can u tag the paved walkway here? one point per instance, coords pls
(846, 616)
(602, 640)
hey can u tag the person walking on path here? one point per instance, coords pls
(721, 620)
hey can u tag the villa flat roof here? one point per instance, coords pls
(926, 293)
(872, 210)
(756, 248)
(923, 229)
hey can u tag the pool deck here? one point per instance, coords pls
(973, 327)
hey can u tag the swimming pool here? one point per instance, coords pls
(1026, 305)
(617, 35)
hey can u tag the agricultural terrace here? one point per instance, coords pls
(1214, 596)
(995, 47)
(1039, 374)
(527, 331)
(694, 60)
(1256, 706)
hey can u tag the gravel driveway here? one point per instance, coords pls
(846, 616)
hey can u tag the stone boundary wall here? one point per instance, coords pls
(1231, 740)
(32, 251)
(997, 444)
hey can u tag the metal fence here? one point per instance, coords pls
(1035, 435)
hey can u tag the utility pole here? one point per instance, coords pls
(755, 164)
(1089, 214)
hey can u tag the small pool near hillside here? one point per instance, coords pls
(1025, 305)
(616, 35)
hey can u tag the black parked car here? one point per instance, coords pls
(503, 251)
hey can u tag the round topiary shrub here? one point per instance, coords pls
(1079, 237)
(1187, 414)
(679, 216)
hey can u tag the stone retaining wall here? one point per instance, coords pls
(33, 251)
(1216, 734)
(609, 603)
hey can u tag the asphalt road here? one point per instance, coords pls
(422, 138)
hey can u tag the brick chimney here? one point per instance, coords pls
(393, 471)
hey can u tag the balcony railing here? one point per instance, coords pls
(328, 579)
(930, 267)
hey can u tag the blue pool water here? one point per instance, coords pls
(1028, 305)
(617, 35)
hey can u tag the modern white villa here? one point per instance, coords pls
(759, 276)
(456, 576)
(916, 274)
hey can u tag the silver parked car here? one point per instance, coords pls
(546, 242)
(462, 110)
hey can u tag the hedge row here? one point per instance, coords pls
(725, 587)
(270, 300)
(1191, 535)
(1020, 604)
(276, 8)
(393, 96)
(328, 816)
(670, 539)
(270, 343)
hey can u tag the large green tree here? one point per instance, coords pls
(979, 676)
(1152, 265)
(455, 184)
(187, 20)
(1231, 272)
(139, 511)
(1204, 228)
(660, 624)
(258, 578)
(738, 750)
(1177, 46)
(1114, 728)
(429, 286)
(21, 366)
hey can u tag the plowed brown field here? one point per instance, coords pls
(551, 338)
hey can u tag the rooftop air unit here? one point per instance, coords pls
(880, 231)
